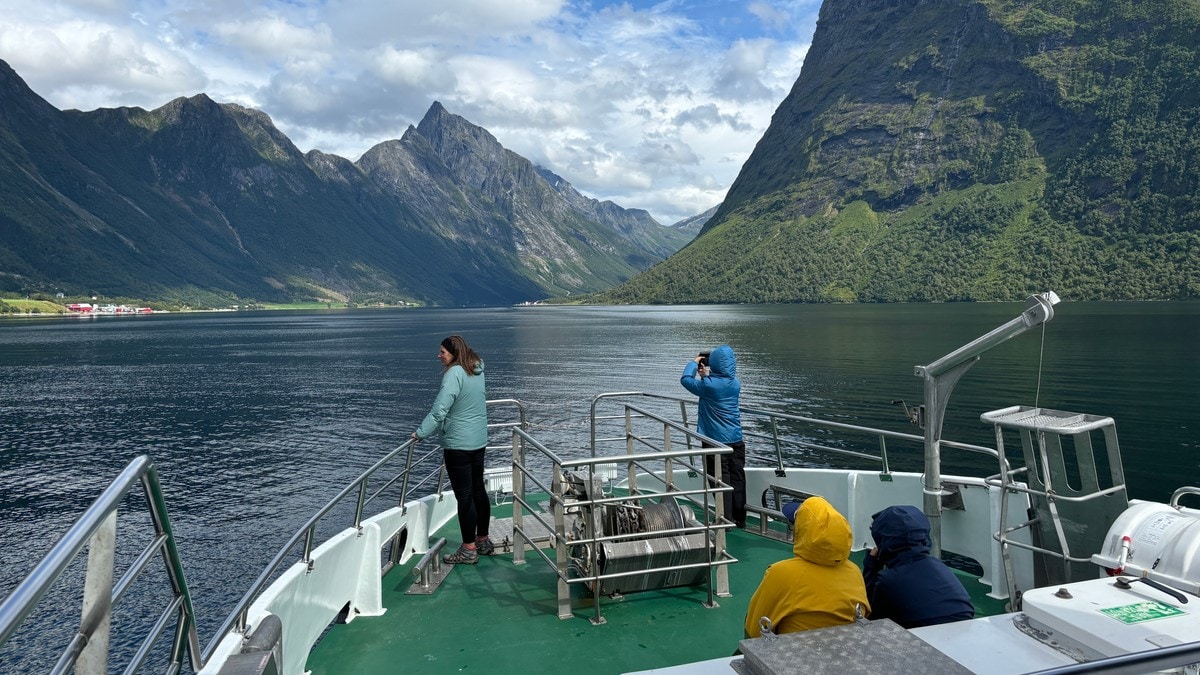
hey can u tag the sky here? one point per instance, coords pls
(653, 105)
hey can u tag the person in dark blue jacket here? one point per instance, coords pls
(720, 419)
(904, 582)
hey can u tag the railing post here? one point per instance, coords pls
(779, 471)
(630, 469)
(719, 509)
(518, 514)
(309, 535)
(669, 468)
(683, 418)
(883, 454)
(407, 472)
(97, 599)
(592, 528)
(592, 420)
(358, 508)
(560, 543)
(162, 524)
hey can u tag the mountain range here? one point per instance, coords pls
(208, 204)
(966, 150)
(957, 150)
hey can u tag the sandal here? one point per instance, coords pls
(463, 556)
(485, 546)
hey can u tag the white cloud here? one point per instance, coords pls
(273, 37)
(86, 64)
(411, 68)
(651, 105)
(773, 17)
(451, 23)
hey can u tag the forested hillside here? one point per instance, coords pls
(967, 150)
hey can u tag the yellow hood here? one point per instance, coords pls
(822, 535)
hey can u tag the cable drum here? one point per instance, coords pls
(664, 516)
(628, 518)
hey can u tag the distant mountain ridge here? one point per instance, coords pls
(697, 222)
(210, 203)
(966, 150)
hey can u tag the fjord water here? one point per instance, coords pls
(257, 419)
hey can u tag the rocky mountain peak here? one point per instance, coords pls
(208, 201)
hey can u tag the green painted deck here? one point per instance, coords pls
(496, 617)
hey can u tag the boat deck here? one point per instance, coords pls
(497, 617)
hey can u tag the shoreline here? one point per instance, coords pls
(62, 311)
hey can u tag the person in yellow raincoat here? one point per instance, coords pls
(819, 586)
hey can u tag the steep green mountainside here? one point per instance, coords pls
(966, 150)
(209, 204)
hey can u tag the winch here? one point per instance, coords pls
(646, 537)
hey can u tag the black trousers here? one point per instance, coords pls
(465, 470)
(733, 472)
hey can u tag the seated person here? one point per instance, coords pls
(904, 582)
(818, 586)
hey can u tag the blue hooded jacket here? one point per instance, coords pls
(904, 582)
(720, 419)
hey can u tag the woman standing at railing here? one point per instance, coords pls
(713, 378)
(459, 413)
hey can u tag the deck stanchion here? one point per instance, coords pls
(358, 508)
(560, 545)
(518, 474)
(309, 535)
(630, 470)
(97, 599)
(668, 470)
(779, 472)
(412, 443)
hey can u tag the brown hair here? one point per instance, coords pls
(462, 353)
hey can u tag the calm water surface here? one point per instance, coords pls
(260, 418)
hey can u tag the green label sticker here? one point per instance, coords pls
(1142, 611)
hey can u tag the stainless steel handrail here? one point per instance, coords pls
(24, 599)
(1149, 661)
(237, 619)
(660, 450)
(1181, 492)
(21, 603)
(776, 438)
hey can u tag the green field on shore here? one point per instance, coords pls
(32, 307)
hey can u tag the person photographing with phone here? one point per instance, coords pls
(712, 377)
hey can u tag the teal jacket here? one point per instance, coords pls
(459, 411)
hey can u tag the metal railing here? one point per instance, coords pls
(881, 437)
(1058, 516)
(778, 437)
(237, 619)
(87, 652)
(1181, 658)
(658, 448)
(849, 446)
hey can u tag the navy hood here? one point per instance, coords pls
(900, 531)
(722, 361)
